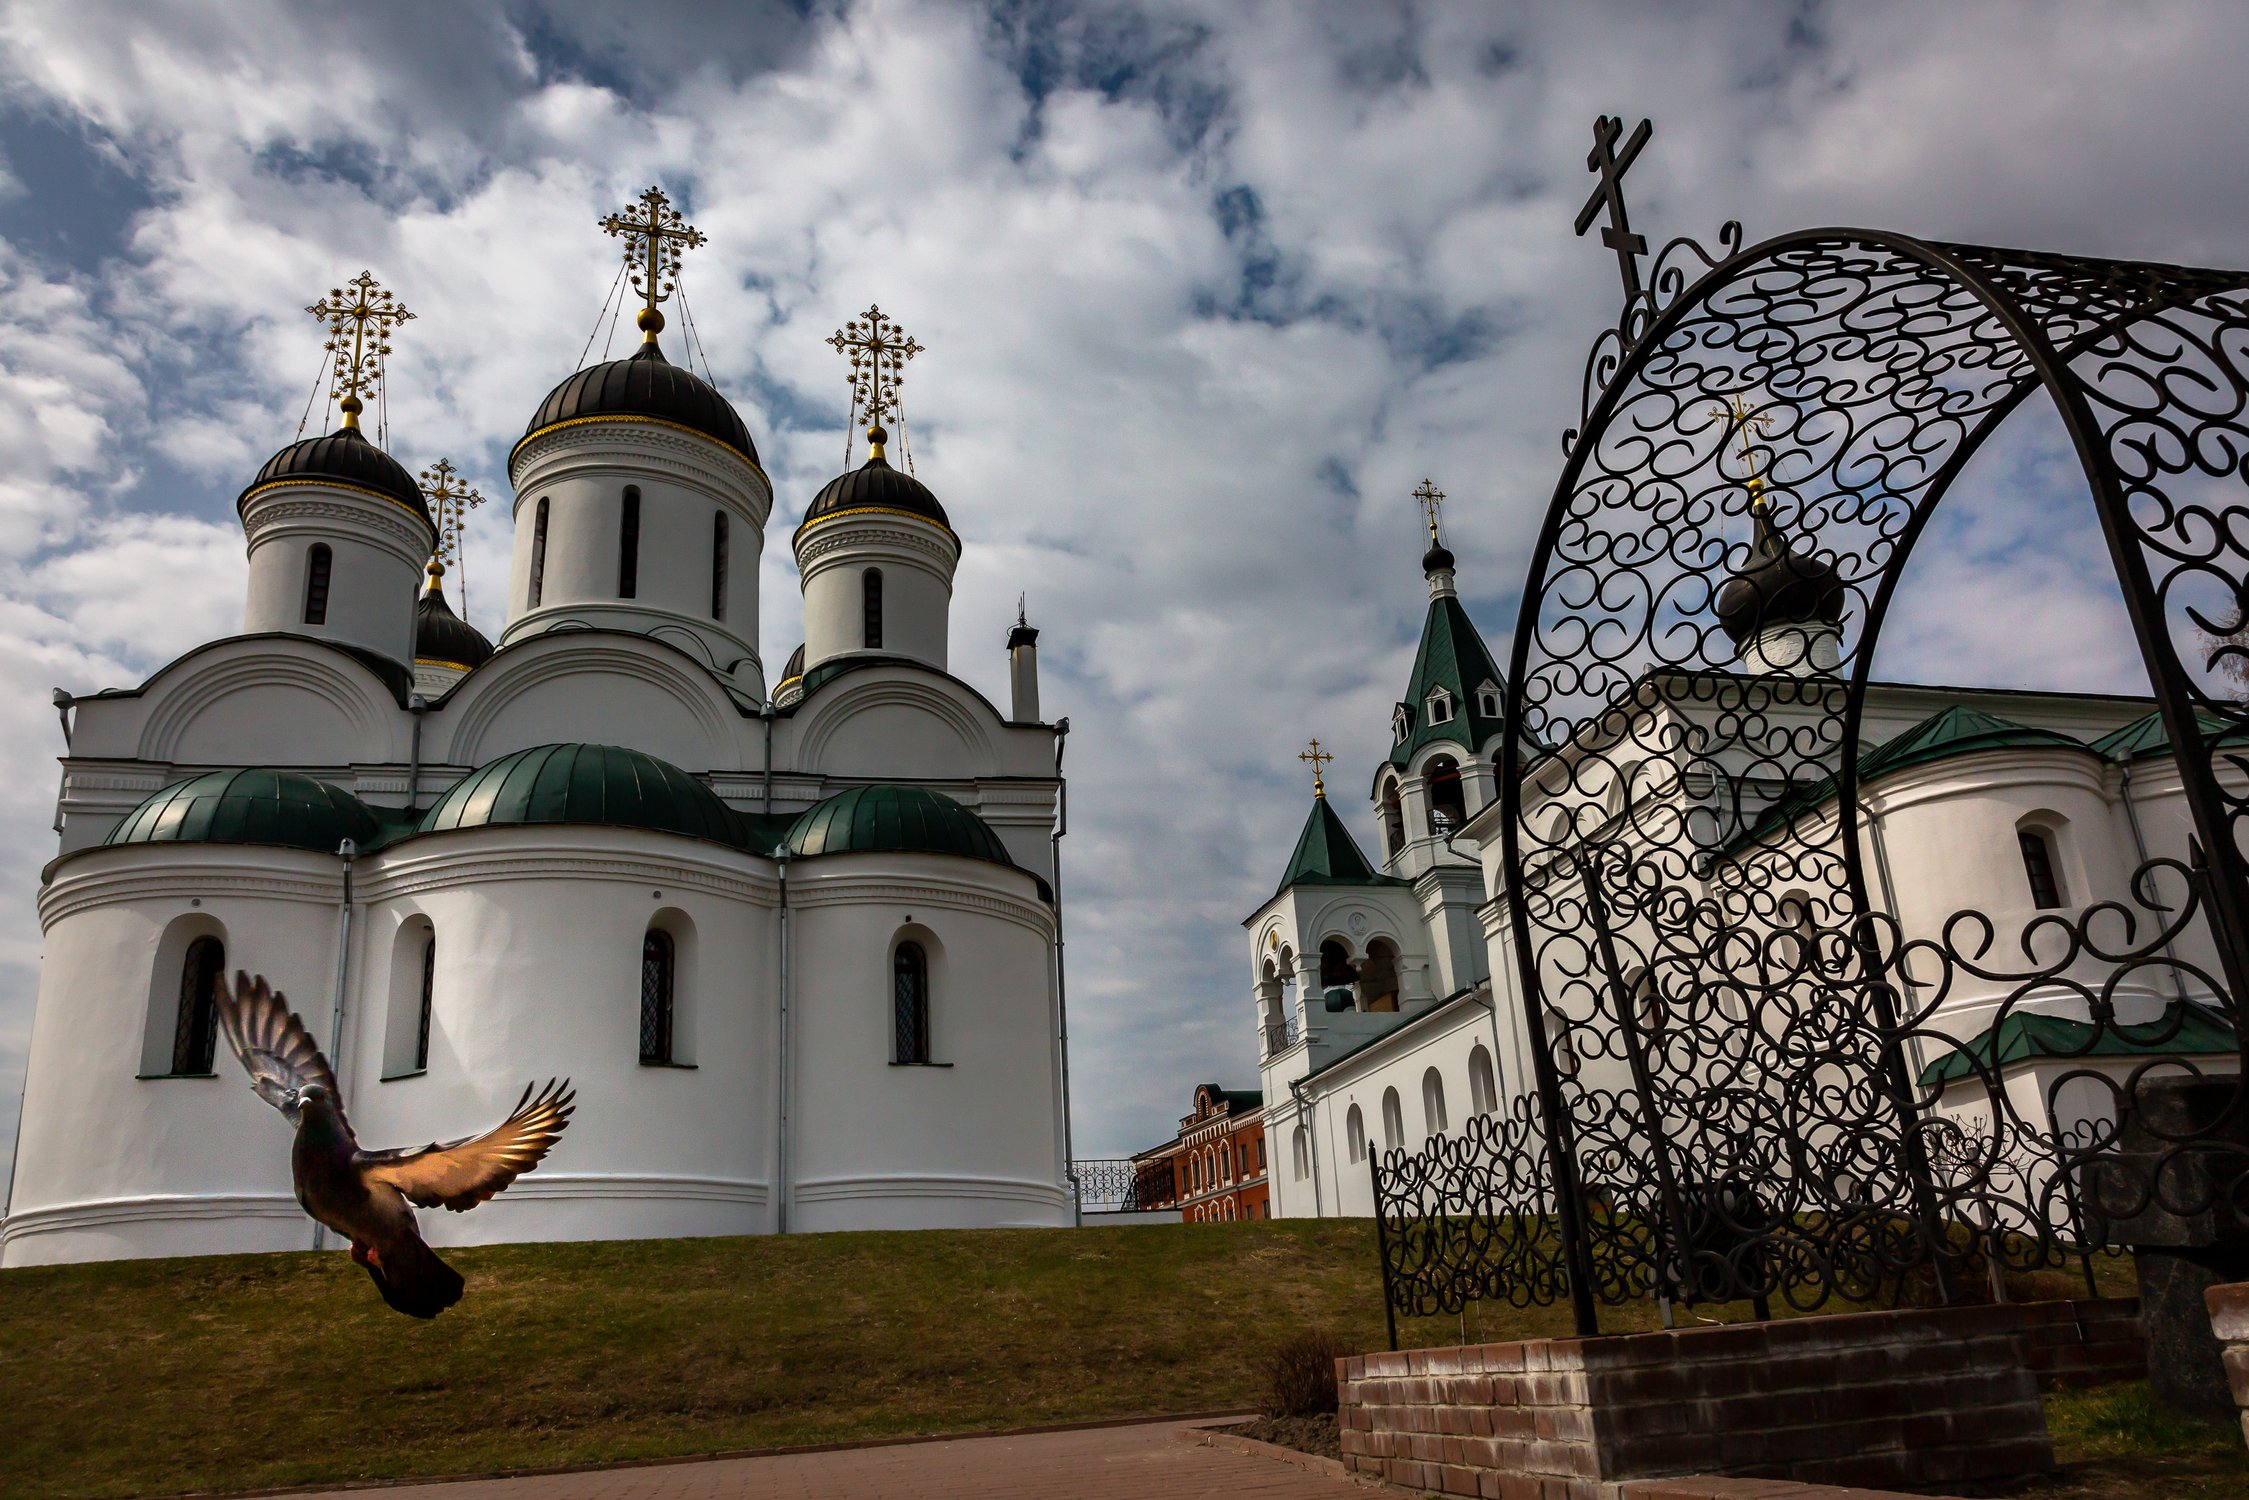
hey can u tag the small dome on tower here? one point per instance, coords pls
(1782, 585)
(342, 457)
(644, 385)
(1436, 560)
(443, 637)
(875, 485)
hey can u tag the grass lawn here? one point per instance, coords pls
(235, 1372)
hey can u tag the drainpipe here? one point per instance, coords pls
(417, 705)
(2139, 845)
(1296, 1092)
(1873, 825)
(766, 713)
(1061, 992)
(781, 1092)
(347, 851)
(63, 702)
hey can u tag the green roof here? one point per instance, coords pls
(596, 784)
(2146, 736)
(895, 819)
(1326, 854)
(253, 806)
(1453, 657)
(2185, 1030)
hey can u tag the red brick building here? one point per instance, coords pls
(1215, 1168)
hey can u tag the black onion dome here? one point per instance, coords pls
(341, 457)
(1781, 586)
(876, 484)
(646, 385)
(1436, 560)
(443, 636)
(795, 668)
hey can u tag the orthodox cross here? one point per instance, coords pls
(450, 501)
(1611, 164)
(1319, 759)
(1430, 497)
(878, 350)
(1737, 411)
(653, 239)
(360, 315)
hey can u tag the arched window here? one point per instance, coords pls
(656, 989)
(1448, 806)
(1558, 1038)
(1483, 1085)
(1487, 700)
(1433, 1102)
(1649, 1012)
(1300, 1149)
(1378, 977)
(1393, 820)
(628, 545)
(909, 1003)
(318, 563)
(1336, 969)
(196, 1035)
(1440, 707)
(538, 554)
(870, 605)
(429, 990)
(2040, 866)
(1793, 914)
(1393, 1121)
(718, 565)
(1355, 1131)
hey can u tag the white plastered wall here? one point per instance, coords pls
(376, 551)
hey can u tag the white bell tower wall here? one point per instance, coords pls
(362, 592)
(915, 558)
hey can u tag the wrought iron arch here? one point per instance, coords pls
(1766, 1113)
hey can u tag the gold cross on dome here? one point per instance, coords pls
(878, 350)
(1430, 497)
(360, 315)
(1319, 759)
(653, 239)
(1738, 412)
(450, 501)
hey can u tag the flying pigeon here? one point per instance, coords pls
(365, 1195)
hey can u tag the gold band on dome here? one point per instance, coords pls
(438, 661)
(623, 416)
(874, 510)
(302, 480)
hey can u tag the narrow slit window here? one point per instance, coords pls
(195, 1037)
(429, 989)
(628, 546)
(718, 566)
(656, 981)
(318, 564)
(2038, 864)
(910, 1003)
(870, 599)
(538, 553)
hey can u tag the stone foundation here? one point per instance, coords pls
(1915, 1399)
(2229, 1320)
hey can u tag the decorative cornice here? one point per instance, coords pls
(816, 887)
(1003, 1189)
(307, 482)
(109, 1213)
(412, 535)
(588, 434)
(94, 877)
(814, 540)
(436, 862)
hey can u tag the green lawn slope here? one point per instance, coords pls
(237, 1372)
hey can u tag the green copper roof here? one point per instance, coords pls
(600, 784)
(252, 806)
(2185, 1030)
(895, 819)
(1326, 854)
(1452, 657)
(2146, 736)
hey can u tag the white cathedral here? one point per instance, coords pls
(796, 947)
(1386, 994)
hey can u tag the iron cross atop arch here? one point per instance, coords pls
(1741, 1089)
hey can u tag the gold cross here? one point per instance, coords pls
(1737, 411)
(359, 326)
(450, 501)
(653, 241)
(878, 350)
(1319, 759)
(1430, 497)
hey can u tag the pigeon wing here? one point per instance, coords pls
(275, 1048)
(461, 1174)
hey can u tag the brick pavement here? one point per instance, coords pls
(1141, 1462)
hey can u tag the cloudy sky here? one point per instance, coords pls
(1206, 291)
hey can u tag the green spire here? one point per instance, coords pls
(1452, 657)
(1326, 854)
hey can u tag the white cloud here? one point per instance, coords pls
(1206, 291)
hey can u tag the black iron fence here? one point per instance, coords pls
(1749, 1081)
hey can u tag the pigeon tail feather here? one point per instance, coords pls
(411, 1277)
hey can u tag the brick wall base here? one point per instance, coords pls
(1911, 1399)
(2229, 1320)
(2072, 1345)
